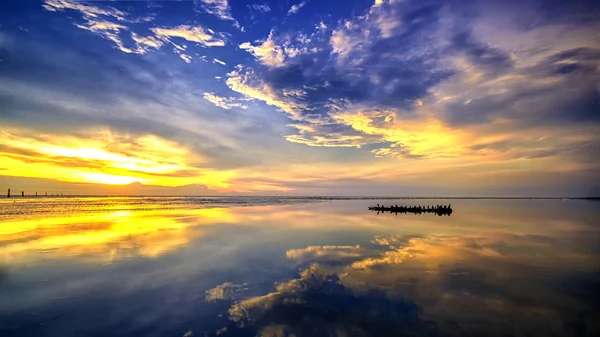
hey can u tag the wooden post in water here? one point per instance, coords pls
(36, 194)
(8, 195)
(22, 193)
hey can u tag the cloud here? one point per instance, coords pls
(447, 268)
(394, 84)
(122, 159)
(415, 284)
(341, 43)
(87, 10)
(144, 43)
(130, 96)
(267, 52)
(406, 80)
(218, 8)
(186, 58)
(261, 8)
(107, 30)
(223, 102)
(196, 34)
(433, 84)
(219, 62)
(324, 253)
(225, 292)
(347, 313)
(248, 83)
(277, 52)
(97, 21)
(296, 8)
(534, 95)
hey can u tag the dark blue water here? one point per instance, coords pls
(178, 267)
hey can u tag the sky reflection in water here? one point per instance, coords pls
(495, 268)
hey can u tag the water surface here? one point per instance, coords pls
(295, 267)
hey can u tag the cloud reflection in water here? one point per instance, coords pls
(321, 269)
(494, 285)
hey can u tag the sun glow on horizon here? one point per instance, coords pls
(102, 157)
(109, 179)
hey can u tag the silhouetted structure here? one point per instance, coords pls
(8, 195)
(439, 209)
(22, 193)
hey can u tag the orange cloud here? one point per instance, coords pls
(101, 156)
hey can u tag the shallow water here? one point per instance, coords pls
(283, 267)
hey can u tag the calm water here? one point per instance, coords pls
(285, 267)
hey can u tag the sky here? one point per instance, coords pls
(286, 97)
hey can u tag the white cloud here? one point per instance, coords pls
(97, 21)
(218, 8)
(267, 53)
(87, 10)
(276, 51)
(198, 34)
(296, 8)
(108, 30)
(219, 62)
(185, 57)
(223, 102)
(261, 8)
(247, 83)
(321, 26)
(294, 92)
(144, 43)
(341, 43)
(97, 26)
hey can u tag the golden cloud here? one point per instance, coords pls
(102, 156)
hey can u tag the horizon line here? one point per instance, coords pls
(304, 196)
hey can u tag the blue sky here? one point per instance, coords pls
(389, 97)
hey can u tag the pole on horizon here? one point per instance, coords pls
(36, 194)
(22, 193)
(8, 195)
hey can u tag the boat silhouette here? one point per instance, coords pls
(437, 209)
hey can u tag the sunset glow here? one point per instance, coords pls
(370, 101)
